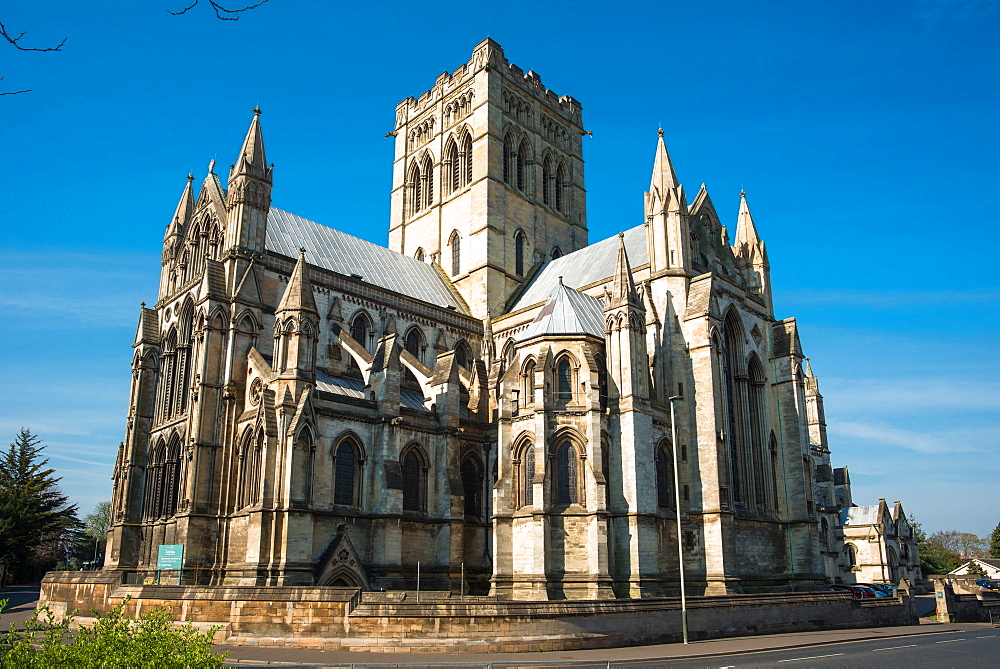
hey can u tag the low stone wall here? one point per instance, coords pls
(962, 601)
(346, 619)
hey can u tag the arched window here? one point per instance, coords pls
(302, 468)
(414, 480)
(154, 481)
(509, 158)
(557, 188)
(523, 151)
(602, 380)
(361, 327)
(528, 384)
(547, 177)
(346, 473)
(528, 479)
(734, 386)
(472, 487)
(454, 169)
(415, 186)
(519, 253)
(456, 253)
(467, 156)
(556, 252)
(758, 454)
(419, 255)
(427, 175)
(850, 556)
(566, 474)
(664, 477)
(463, 356)
(564, 381)
(414, 344)
(824, 532)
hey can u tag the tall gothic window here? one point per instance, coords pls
(456, 253)
(558, 188)
(547, 178)
(467, 157)
(302, 468)
(519, 253)
(528, 384)
(414, 480)
(664, 477)
(566, 474)
(731, 356)
(556, 252)
(427, 174)
(360, 329)
(415, 186)
(523, 151)
(527, 475)
(509, 159)
(602, 380)
(414, 345)
(346, 474)
(472, 487)
(463, 356)
(757, 451)
(564, 381)
(453, 182)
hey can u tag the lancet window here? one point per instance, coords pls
(664, 476)
(472, 487)
(519, 242)
(414, 470)
(455, 241)
(347, 473)
(567, 474)
(524, 463)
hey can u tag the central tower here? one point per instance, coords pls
(487, 178)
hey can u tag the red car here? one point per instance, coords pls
(857, 591)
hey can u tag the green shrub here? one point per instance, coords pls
(112, 640)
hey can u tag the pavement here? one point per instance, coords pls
(23, 599)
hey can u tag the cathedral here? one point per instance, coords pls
(490, 405)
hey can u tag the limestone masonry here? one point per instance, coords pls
(489, 397)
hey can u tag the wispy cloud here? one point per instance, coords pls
(898, 395)
(960, 440)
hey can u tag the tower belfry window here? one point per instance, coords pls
(466, 154)
(519, 254)
(456, 254)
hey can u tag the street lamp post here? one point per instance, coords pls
(677, 510)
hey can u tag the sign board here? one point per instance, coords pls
(171, 557)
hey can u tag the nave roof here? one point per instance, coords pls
(591, 264)
(345, 254)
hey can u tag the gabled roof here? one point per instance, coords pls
(345, 254)
(591, 264)
(860, 515)
(568, 312)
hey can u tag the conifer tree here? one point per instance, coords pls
(34, 513)
(995, 543)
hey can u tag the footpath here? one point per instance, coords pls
(282, 656)
(24, 598)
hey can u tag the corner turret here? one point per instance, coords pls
(666, 215)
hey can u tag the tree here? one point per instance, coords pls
(96, 524)
(935, 557)
(995, 543)
(35, 517)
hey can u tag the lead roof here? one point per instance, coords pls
(348, 255)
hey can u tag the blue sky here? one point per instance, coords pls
(865, 134)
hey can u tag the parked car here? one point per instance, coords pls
(881, 590)
(988, 584)
(857, 591)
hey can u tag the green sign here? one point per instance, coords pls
(171, 557)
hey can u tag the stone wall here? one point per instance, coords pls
(960, 600)
(344, 618)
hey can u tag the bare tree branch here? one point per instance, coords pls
(220, 11)
(26, 90)
(15, 40)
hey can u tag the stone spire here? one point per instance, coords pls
(623, 285)
(182, 215)
(664, 178)
(298, 295)
(746, 231)
(252, 160)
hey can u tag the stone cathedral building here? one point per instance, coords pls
(490, 395)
